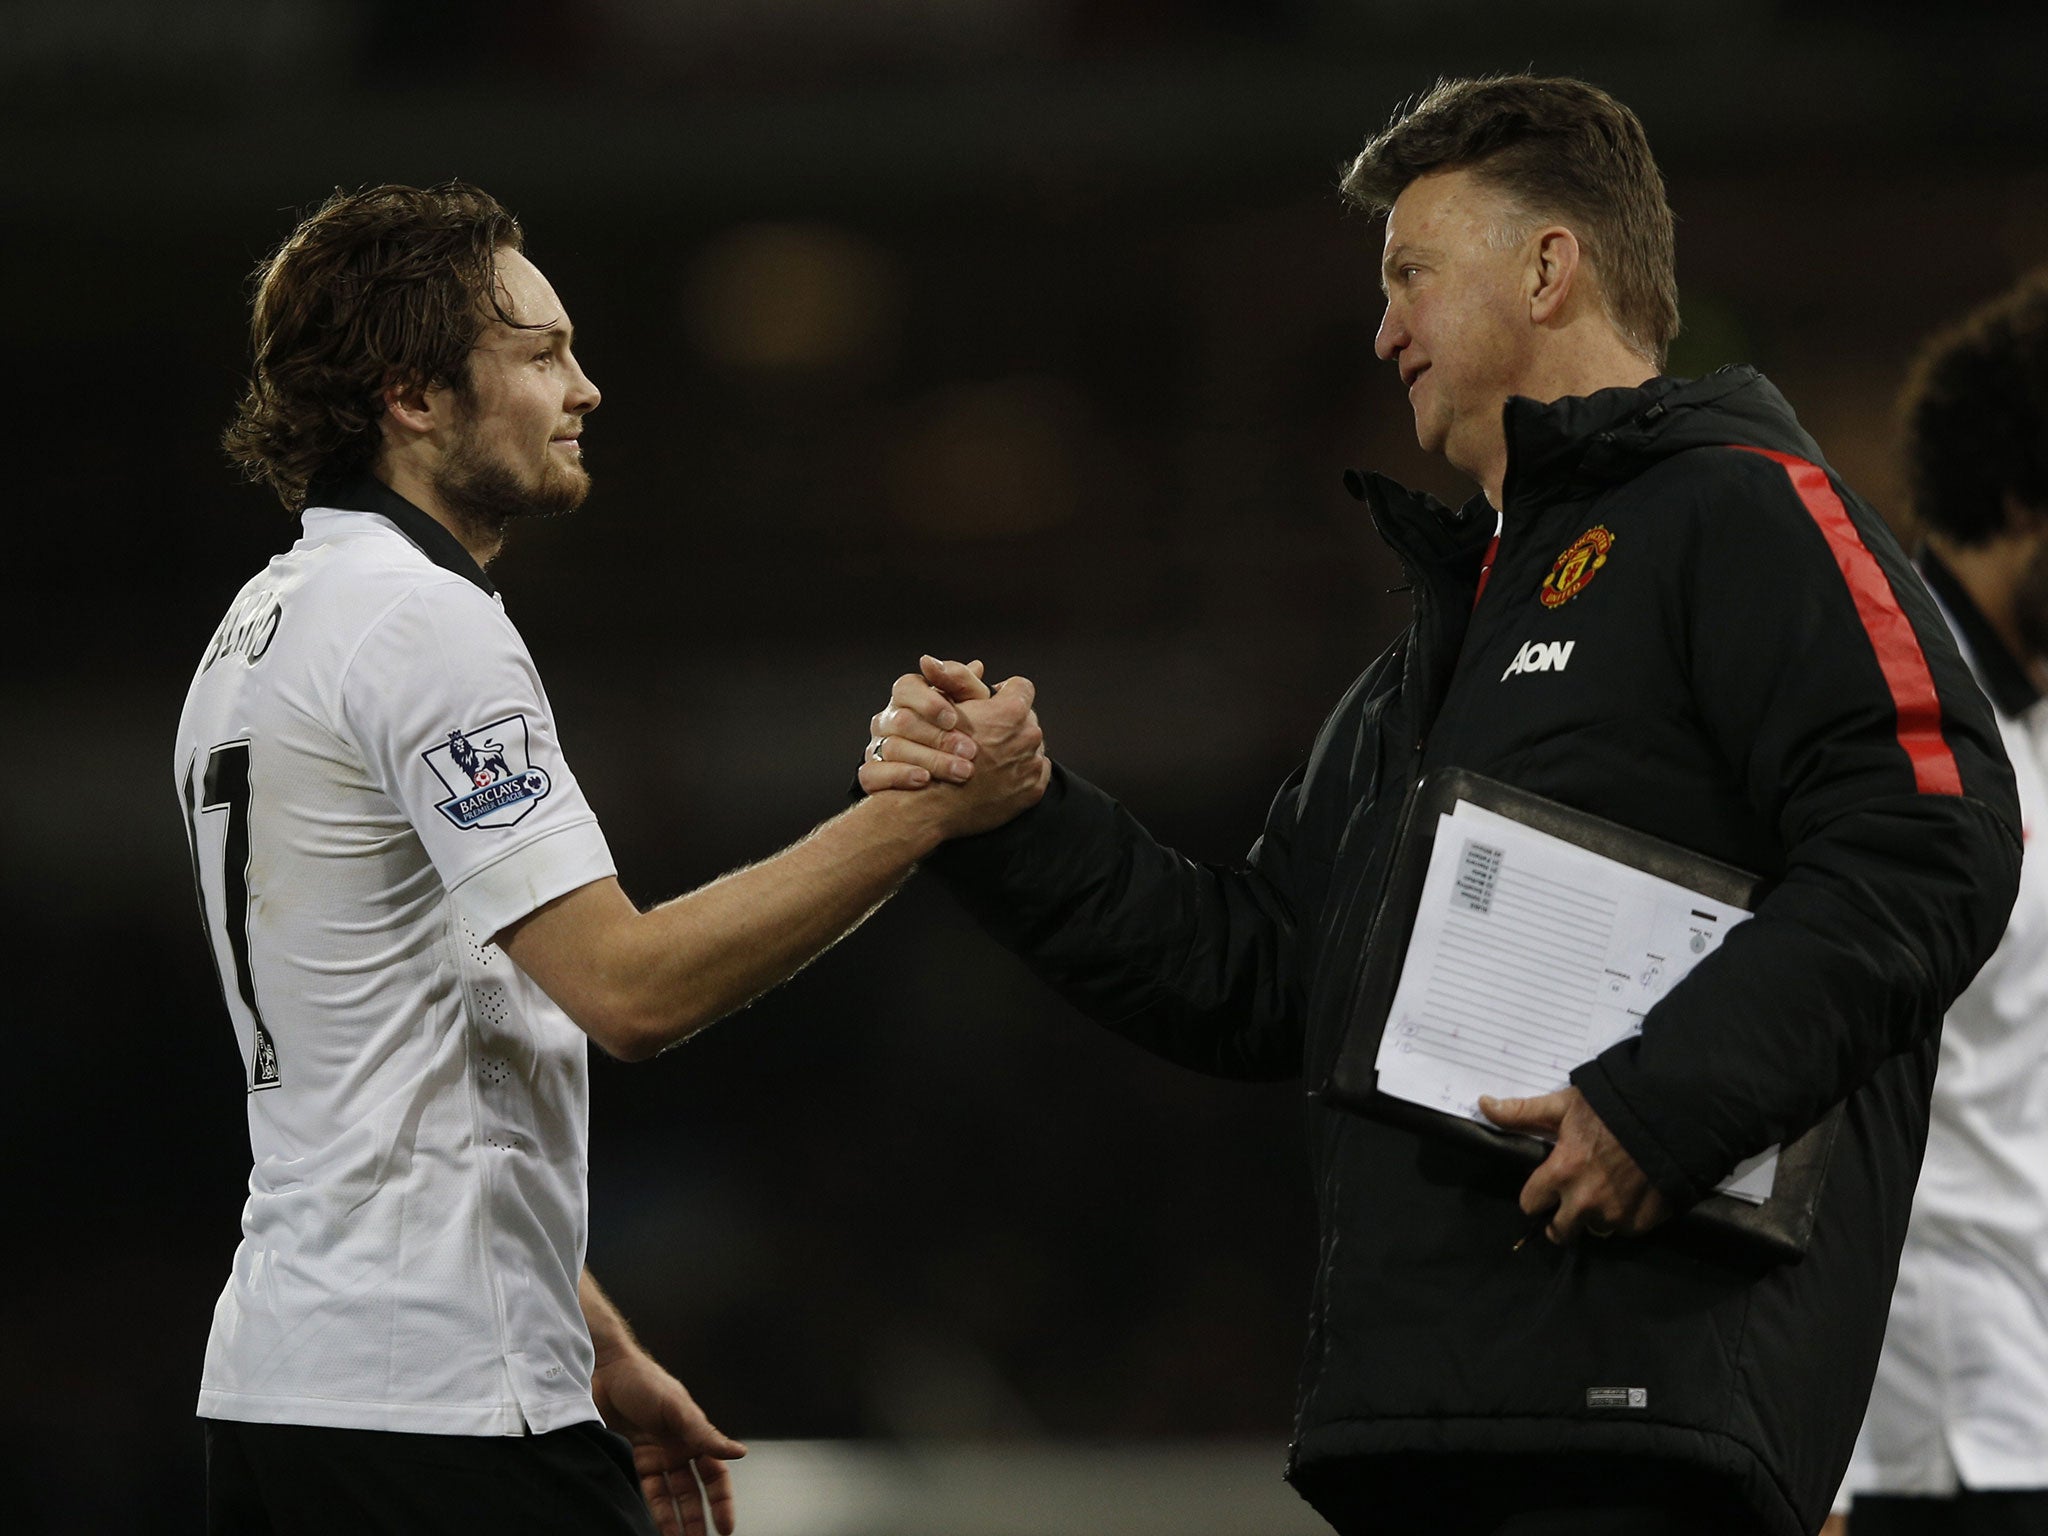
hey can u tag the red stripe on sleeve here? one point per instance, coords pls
(1899, 655)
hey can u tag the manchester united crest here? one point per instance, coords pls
(1573, 571)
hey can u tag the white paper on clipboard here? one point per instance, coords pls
(1531, 955)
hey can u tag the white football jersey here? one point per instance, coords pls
(373, 789)
(1961, 1397)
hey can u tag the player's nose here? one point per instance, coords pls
(584, 395)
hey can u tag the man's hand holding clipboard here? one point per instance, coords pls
(1588, 1184)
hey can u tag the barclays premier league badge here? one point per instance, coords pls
(488, 775)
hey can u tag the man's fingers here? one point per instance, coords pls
(1020, 693)
(1569, 1221)
(875, 778)
(664, 1501)
(1652, 1210)
(900, 751)
(1538, 1116)
(718, 1490)
(951, 678)
(912, 693)
(1499, 1111)
(904, 721)
(1544, 1188)
(715, 1443)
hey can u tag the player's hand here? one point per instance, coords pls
(674, 1445)
(1589, 1182)
(914, 740)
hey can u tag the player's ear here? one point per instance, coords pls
(412, 406)
(1553, 270)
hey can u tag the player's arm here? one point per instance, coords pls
(675, 1446)
(1197, 963)
(638, 982)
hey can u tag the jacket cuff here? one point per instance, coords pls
(1659, 1166)
(985, 856)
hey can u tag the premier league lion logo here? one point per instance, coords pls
(490, 780)
(485, 767)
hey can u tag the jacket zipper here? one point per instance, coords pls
(1414, 672)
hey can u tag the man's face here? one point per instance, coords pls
(514, 451)
(1457, 322)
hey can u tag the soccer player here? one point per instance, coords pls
(417, 926)
(1748, 667)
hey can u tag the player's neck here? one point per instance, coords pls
(406, 478)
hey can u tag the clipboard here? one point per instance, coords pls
(1781, 1228)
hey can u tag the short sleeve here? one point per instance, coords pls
(453, 724)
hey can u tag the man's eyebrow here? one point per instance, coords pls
(1394, 257)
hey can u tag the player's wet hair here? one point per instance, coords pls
(1561, 149)
(1975, 412)
(384, 285)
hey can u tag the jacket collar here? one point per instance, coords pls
(2004, 679)
(362, 491)
(1582, 444)
(1553, 445)
(1435, 539)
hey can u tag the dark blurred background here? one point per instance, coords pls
(1030, 330)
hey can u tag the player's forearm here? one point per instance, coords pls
(610, 1334)
(693, 960)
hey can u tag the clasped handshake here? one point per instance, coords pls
(977, 748)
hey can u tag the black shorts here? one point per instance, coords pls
(1971, 1512)
(1510, 1494)
(303, 1480)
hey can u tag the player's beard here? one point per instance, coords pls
(487, 493)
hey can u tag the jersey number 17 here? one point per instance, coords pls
(224, 787)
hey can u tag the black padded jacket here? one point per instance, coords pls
(1754, 672)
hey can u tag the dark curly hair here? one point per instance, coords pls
(384, 285)
(1560, 148)
(1975, 411)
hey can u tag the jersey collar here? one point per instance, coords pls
(2003, 677)
(364, 492)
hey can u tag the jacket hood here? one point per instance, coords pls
(1584, 443)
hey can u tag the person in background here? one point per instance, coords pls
(1955, 1441)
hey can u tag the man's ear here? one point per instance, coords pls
(412, 407)
(1553, 271)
